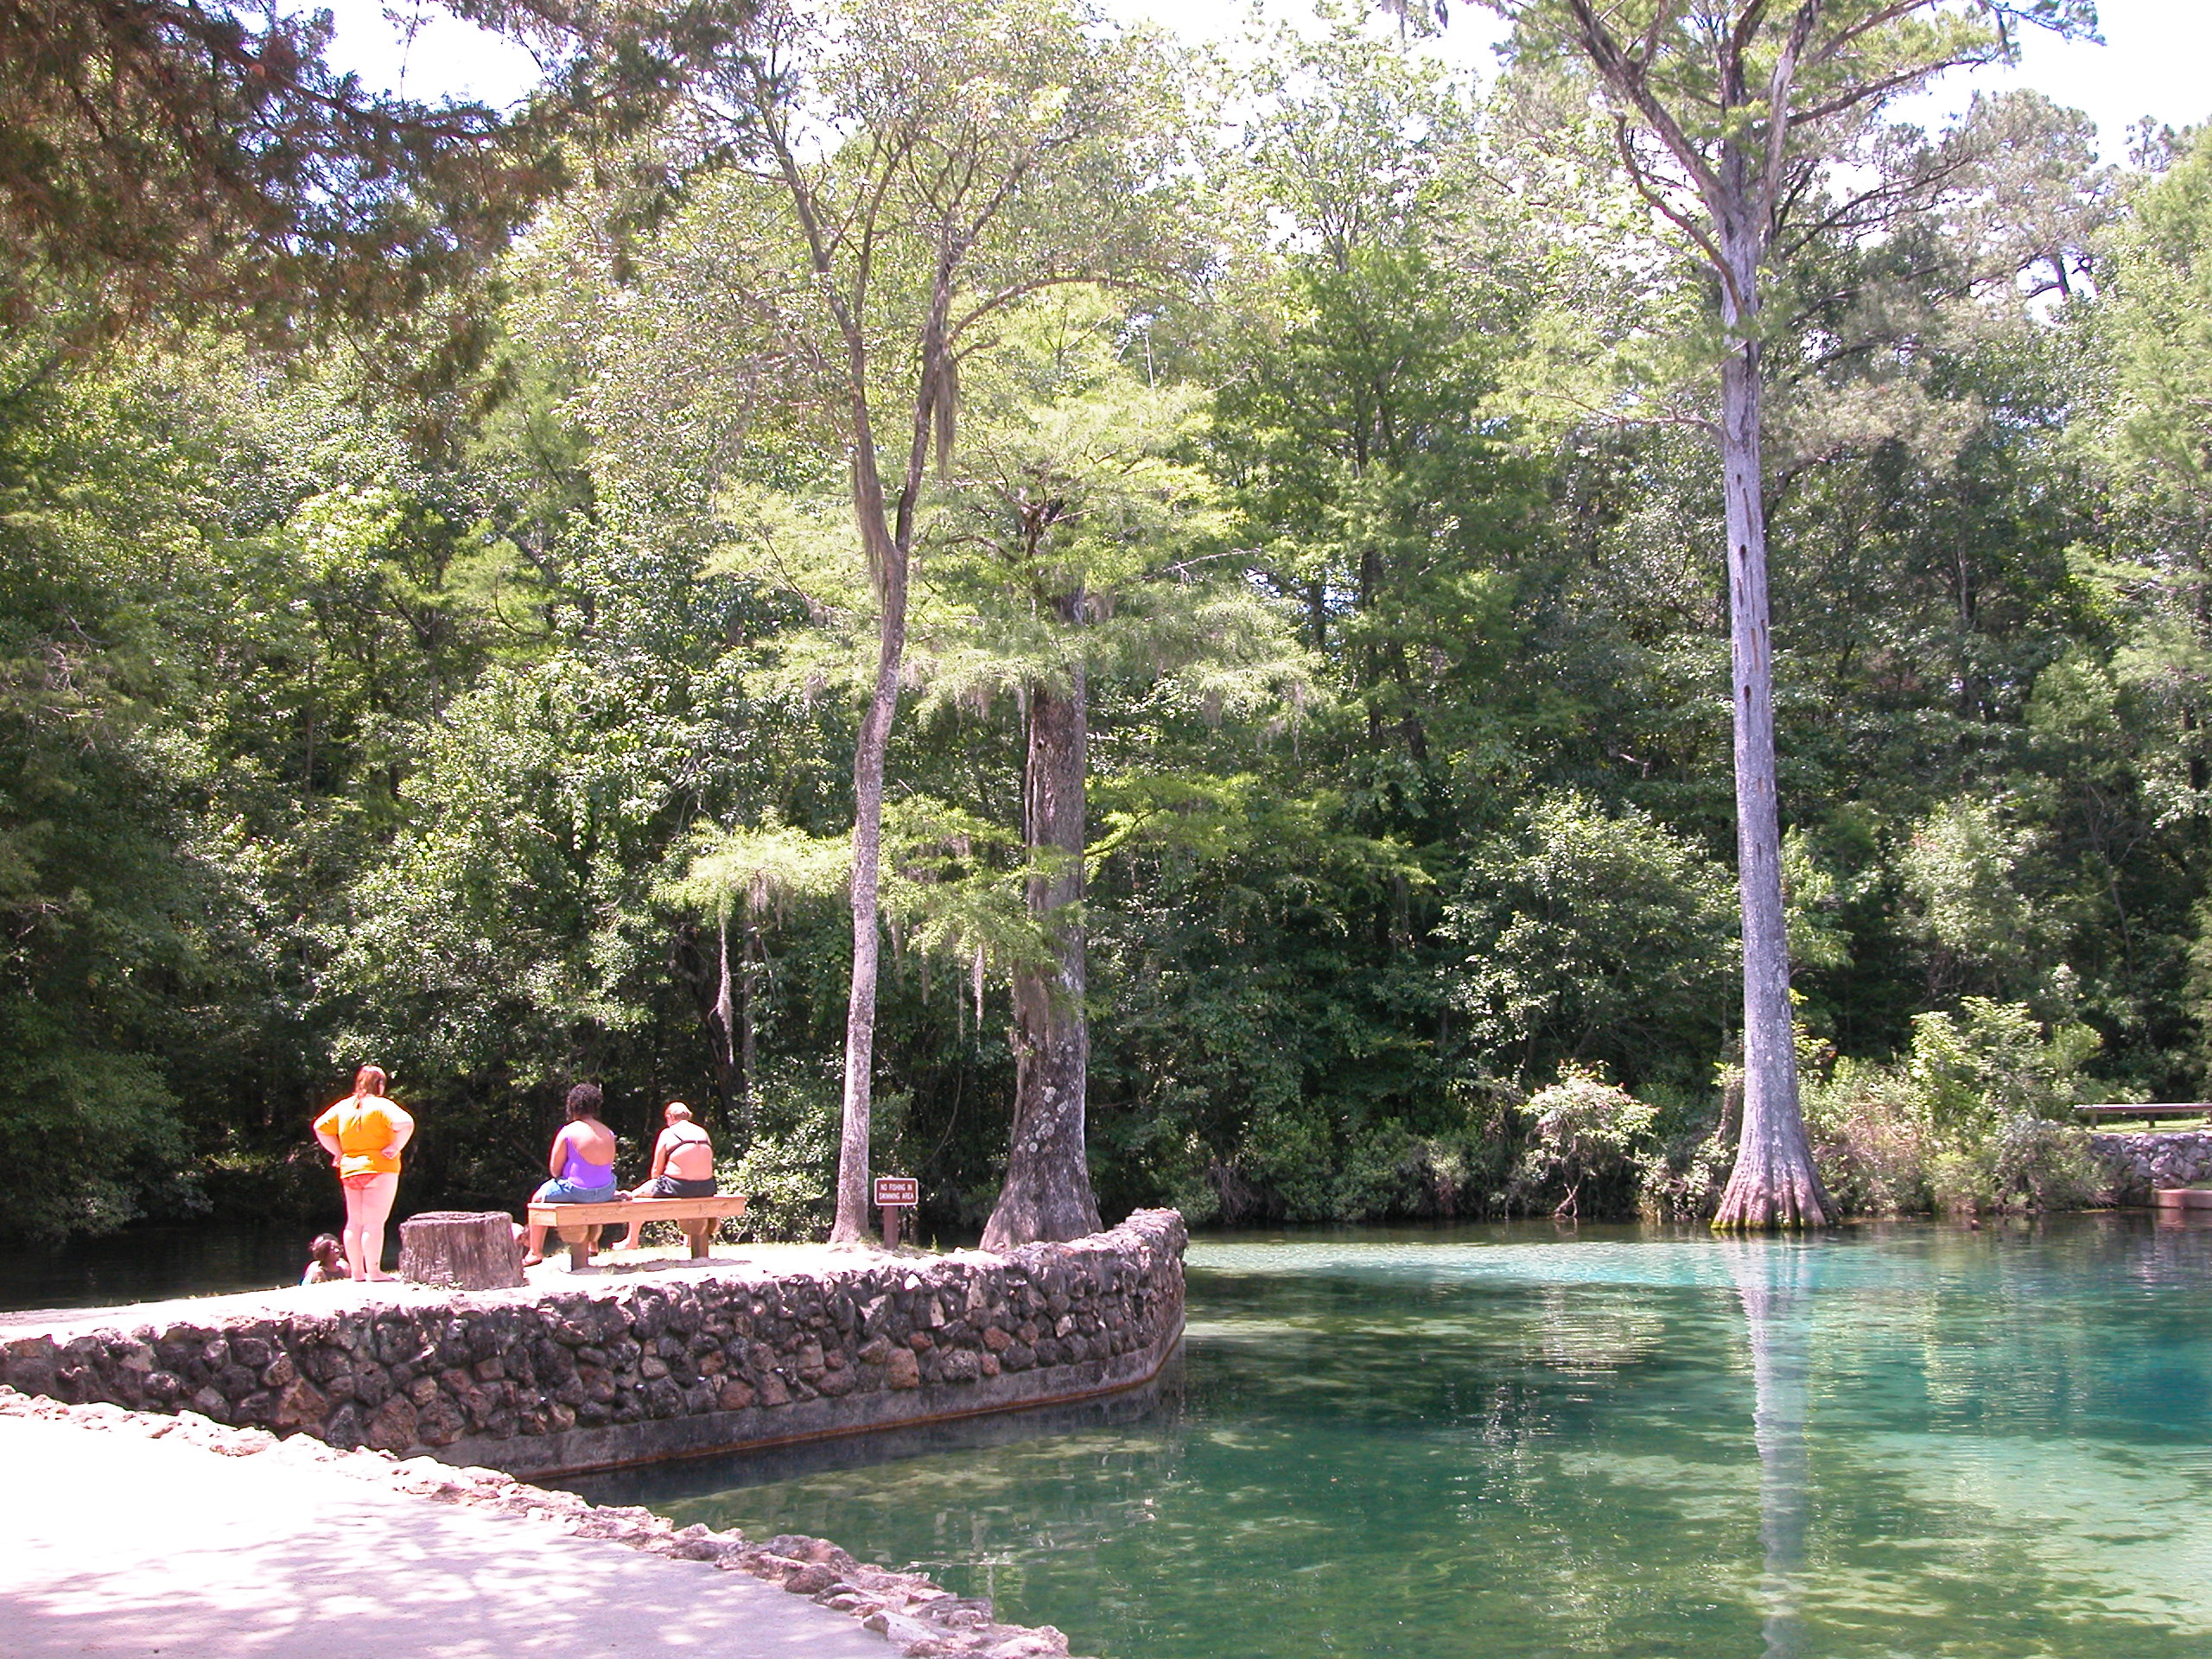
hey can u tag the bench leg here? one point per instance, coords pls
(578, 1239)
(702, 1234)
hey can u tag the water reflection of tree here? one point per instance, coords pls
(1774, 1281)
(1595, 1330)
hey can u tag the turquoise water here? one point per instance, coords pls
(1912, 1440)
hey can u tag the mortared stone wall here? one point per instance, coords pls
(537, 1382)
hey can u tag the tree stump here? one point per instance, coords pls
(460, 1249)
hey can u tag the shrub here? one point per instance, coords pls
(1973, 1118)
(1592, 937)
(789, 1169)
(1379, 1174)
(1992, 1091)
(1590, 1134)
(1870, 1139)
(1289, 1152)
(1685, 1181)
(2037, 1165)
(1293, 1164)
(1458, 1174)
(89, 1134)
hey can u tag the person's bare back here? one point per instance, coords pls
(683, 1166)
(684, 1151)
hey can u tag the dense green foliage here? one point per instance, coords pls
(522, 751)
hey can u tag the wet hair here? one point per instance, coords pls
(326, 1245)
(584, 1101)
(369, 1080)
(677, 1109)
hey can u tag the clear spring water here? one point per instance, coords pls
(1903, 1440)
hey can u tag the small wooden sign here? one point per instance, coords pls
(893, 1194)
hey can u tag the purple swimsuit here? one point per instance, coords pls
(578, 1171)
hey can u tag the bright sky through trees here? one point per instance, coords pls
(418, 47)
(2152, 63)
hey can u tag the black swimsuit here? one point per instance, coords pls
(674, 1186)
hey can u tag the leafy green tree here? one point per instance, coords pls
(1260, 1060)
(2154, 445)
(1587, 1132)
(1353, 422)
(147, 758)
(755, 871)
(1592, 938)
(1962, 874)
(1083, 548)
(1973, 1117)
(507, 937)
(983, 153)
(2042, 208)
(2161, 345)
(1728, 123)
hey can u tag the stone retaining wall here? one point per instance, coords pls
(2152, 1158)
(541, 1384)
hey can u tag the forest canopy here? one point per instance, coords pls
(1319, 450)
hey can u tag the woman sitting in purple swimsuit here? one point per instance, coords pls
(581, 1164)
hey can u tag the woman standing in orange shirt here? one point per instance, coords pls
(364, 1134)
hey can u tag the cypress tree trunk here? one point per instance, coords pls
(1047, 1192)
(726, 1080)
(1708, 127)
(1774, 1183)
(851, 1224)
(748, 1053)
(888, 547)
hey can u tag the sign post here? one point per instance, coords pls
(893, 1194)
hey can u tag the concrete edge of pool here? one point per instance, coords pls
(176, 1535)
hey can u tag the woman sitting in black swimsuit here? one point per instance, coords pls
(683, 1166)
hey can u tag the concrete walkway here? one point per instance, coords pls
(662, 1264)
(115, 1545)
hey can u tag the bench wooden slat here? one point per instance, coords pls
(720, 1207)
(578, 1224)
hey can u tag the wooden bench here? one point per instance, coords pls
(2149, 1114)
(578, 1224)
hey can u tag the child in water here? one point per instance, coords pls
(325, 1260)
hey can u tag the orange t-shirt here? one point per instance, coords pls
(363, 1128)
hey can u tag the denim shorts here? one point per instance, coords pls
(560, 1191)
